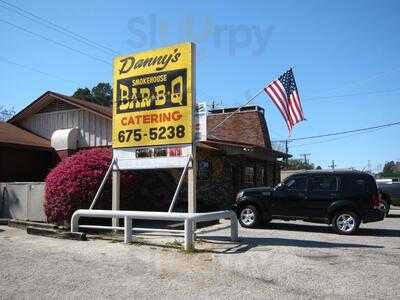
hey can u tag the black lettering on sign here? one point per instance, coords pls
(161, 62)
(152, 91)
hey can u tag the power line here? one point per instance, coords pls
(343, 132)
(354, 94)
(54, 26)
(37, 70)
(357, 82)
(56, 42)
(335, 139)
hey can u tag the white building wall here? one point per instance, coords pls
(94, 130)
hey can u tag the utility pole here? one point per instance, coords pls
(332, 166)
(305, 157)
(287, 152)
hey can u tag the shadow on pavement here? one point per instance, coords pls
(378, 232)
(327, 229)
(391, 215)
(247, 243)
(296, 227)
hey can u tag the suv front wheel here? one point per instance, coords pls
(249, 216)
(345, 222)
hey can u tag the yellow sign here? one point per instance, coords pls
(152, 101)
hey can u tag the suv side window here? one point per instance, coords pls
(298, 183)
(324, 183)
(357, 185)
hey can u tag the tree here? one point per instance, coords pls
(298, 164)
(83, 94)
(100, 94)
(6, 113)
(391, 168)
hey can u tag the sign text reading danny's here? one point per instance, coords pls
(152, 97)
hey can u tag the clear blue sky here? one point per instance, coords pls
(336, 47)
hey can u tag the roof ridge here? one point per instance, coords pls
(95, 108)
(82, 101)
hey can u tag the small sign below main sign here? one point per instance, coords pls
(200, 123)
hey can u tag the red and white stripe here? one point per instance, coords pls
(296, 111)
(290, 107)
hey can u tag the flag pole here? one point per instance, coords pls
(238, 109)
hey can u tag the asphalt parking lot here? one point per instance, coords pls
(282, 260)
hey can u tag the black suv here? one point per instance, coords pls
(341, 198)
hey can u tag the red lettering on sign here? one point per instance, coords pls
(176, 151)
(146, 119)
(176, 116)
(151, 118)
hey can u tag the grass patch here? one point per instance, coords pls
(174, 244)
(139, 241)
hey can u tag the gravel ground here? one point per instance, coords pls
(282, 260)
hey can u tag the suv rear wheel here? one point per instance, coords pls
(249, 216)
(345, 222)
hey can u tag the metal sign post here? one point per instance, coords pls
(153, 128)
(153, 115)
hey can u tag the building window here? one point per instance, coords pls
(248, 175)
(203, 169)
(260, 176)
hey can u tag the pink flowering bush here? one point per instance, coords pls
(73, 183)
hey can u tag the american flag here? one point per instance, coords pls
(284, 94)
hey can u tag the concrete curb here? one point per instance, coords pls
(25, 224)
(78, 236)
(40, 231)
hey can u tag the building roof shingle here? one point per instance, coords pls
(13, 135)
(246, 127)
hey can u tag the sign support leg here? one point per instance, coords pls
(192, 202)
(115, 195)
(178, 188)
(192, 205)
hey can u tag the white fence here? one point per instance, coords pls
(190, 220)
